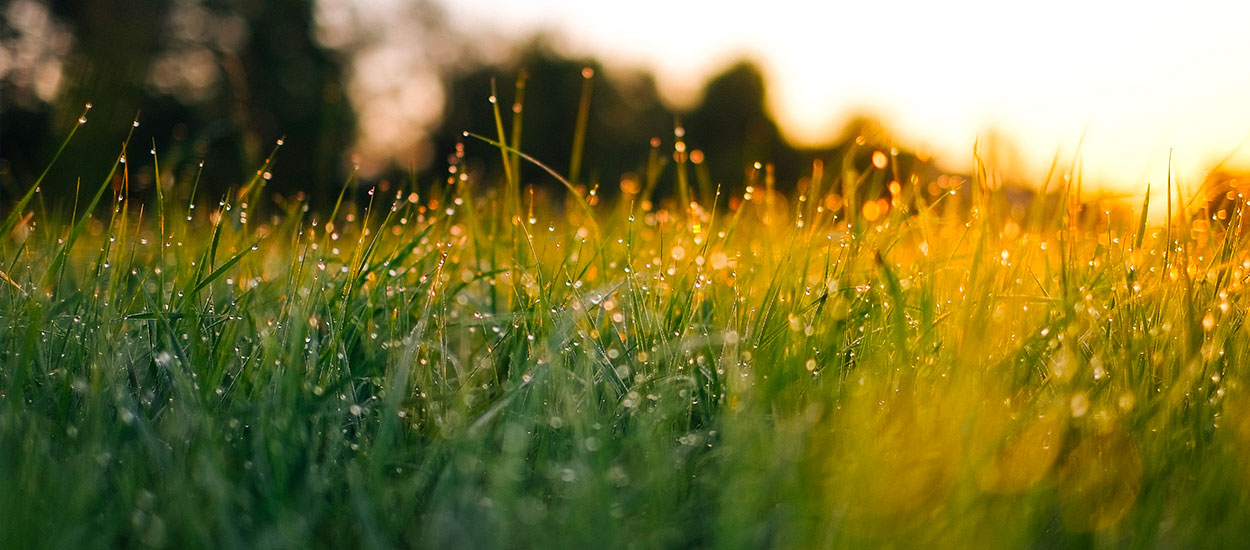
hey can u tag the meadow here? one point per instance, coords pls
(475, 363)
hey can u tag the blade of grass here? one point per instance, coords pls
(580, 127)
(16, 214)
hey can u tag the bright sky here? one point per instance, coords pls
(1136, 78)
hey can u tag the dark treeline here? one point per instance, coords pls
(215, 81)
(265, 75)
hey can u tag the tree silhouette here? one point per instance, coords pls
(212, 80)
(625, 113)
(733, 127)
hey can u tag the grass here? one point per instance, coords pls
(463, 367)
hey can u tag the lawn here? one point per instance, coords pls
(473, 362)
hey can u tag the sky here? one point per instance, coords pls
(1128, 82)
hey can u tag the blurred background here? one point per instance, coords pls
(388, 86)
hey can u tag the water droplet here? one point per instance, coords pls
(879, 160)
(1079, 404)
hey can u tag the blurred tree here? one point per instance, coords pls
(867, 151)
(104, 53)
(33, 46)
(220, 80)
(397, 57)
(625, 113)
(733, 127)
(293, 87)
(214, 80)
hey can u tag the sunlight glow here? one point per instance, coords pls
(1136, 79)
